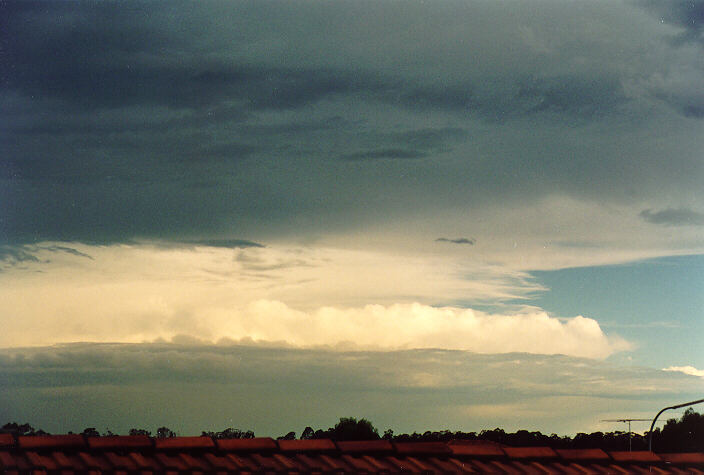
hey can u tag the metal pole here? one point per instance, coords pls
(650, 436)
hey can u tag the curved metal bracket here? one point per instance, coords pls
(650, 434)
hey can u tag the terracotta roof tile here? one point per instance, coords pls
(267, 463)
(199, 455)
(256, 444)
(691, 457)
(182, 443)
(420, 466)
(477, 450)
(143, 462)
(310, 462)
(170, 462)
(613, 468)
(6, 441)
(440, 465)
(51, 441)
(219, 462)
(286, 462)
(635, 456)
(7, 460)
(242, 462)
(62, 460)
(378, 464)
(402, 465)
(364, 446)
(562, 468)
(120, 442)
(94, 461)
(463, 466)
(530, 452)
(337, 464)
(193, 463)
(121, 462)
(427, 448)
(41, 461)
(544, 468)
(306, 445)
(506, 467)
(359, 464)
(582, 454)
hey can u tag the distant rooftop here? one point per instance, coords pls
(141, 454)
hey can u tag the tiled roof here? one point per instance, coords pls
(67, 454)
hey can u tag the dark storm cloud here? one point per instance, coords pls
(686, 14)
(673, 217)
(12, 255)
(392, 153)
(168, 120)
(470, 241)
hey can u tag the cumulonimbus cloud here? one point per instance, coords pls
(421, 326)
(304, 298)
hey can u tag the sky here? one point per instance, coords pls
(268, 214)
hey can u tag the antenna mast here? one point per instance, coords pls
(629, 427)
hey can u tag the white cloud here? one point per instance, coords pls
(691, 370)
(301, 296)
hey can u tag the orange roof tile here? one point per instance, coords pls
(635, 456)
(434, 448)
(184, 443)
(582, 454)
(204, 455)
(692, 457)
(257, 443)
(6, 440)
(50, 441)
(119, 442)
(530, 452)
(477, 450)
(366, 446)
(300, 445)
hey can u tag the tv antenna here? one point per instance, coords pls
(629, 427)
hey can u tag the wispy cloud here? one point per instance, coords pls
(674, 217)
(690, 370)
(470, 241)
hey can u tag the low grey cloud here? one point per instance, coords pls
(470, 241)
(227, 243)
(197, 387)
(12, 255)
(390, 153)
(673, 217)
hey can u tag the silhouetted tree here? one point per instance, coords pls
(90, 432)
(230, 433)
(350, 428)
(685, 435)
(140, 432)
(308, 433)
(165, 433)
(21, 429)
(290, 436)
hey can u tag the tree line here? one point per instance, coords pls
(678, 435)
